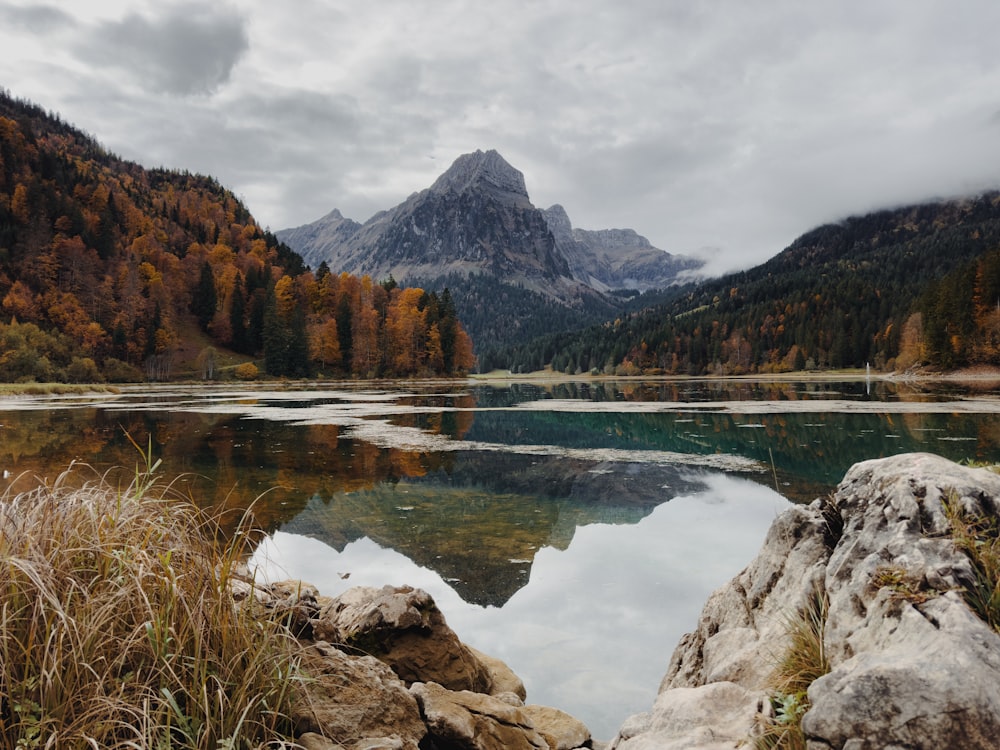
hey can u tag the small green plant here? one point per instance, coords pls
(978, 536)
(803, 661)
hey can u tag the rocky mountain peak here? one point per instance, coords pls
(481, 168)
(558, 220)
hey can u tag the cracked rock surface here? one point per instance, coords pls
(913, 668)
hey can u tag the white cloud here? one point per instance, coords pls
(718, 124)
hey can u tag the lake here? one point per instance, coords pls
(572, 529)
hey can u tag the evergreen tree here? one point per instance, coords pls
(203, 302)
(237, 317)
(275, 340)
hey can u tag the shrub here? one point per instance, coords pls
(83, 370)
(118, 628)
(117, 371)
(247, 371)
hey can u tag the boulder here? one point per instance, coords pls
(910, 664)
(710, 717)
(473, 721)
(742, 626)
(355, 702)
(560, 730)
(295, 603)
(403, 628)
(502, 678)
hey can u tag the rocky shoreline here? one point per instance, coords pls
(908, 664)
(386, 672)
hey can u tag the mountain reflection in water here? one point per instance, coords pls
(480, 524)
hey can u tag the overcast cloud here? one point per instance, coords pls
(719, 127)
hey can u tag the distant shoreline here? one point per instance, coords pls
(979, 375)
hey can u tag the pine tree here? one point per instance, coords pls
(203, 302)
(237, 316)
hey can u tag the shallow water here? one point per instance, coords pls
(573, 530)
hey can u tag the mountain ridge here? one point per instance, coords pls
(476, 217)
(515, 271)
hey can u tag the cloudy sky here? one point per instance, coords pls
(719, 127)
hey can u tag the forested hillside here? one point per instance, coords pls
(896, 288)
(112, 271)
(502, 314)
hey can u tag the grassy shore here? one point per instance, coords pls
(54, 389)
(118, 628)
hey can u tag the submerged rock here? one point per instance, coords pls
(910, 664)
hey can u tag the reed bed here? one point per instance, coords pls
(118, 629)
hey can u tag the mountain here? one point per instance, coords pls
(475, 218)
(110, 271)
(514, 270)
(894, 288)
(609, 259)
(324, 240)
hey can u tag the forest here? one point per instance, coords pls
(916, 286)
(110, 271)
(113, 272)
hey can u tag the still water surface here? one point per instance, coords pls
(573, 530)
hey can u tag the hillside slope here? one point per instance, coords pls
(106, 269)
(892, 288)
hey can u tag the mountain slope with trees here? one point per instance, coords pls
(110, 271)
(911, 286)
(516, 271)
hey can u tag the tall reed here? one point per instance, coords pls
(118, 630)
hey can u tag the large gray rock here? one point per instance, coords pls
(915, 668)
(710, 717)
(911, 666)
(403, 628)
(472, 721)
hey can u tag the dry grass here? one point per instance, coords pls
(978, 537)
(54, 389)
(118, 630)
(803, 661)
